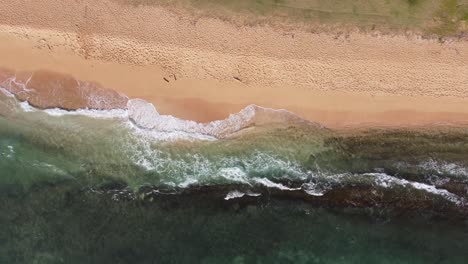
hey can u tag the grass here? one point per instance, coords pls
(449, 16)
(440, 17)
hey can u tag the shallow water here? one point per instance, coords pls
(104, 187)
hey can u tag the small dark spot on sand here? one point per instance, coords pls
(164, 78)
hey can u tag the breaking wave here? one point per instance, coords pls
(138, 145)
(143, 118)
(145, 115)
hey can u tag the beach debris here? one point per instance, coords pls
(237, 78)
(164, 78)
(175, 77)
(289, 34)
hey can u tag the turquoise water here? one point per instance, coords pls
(95, 188)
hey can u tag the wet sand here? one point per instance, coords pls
(203, 68)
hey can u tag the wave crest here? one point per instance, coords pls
(144, 115)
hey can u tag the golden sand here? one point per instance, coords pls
(204, 68)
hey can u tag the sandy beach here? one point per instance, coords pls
(234, 131)
(204, 68)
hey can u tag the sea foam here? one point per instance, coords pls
(143, 119)
(387, 181)
(101, 114)
(145, 116)
(237, 194)
(6, 92)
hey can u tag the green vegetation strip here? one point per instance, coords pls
(440, 17)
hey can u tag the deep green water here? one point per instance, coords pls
(55, 224)
(78, 189)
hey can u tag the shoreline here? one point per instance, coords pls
(198, 72)
(97, 97)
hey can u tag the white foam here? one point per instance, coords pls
(57, 112)
(9, 153)
(234, 174)
(152, 135)
(253, 194)
(101, 114)
(234, 195)
(170, 133)
(6, 92)
(380, 179)
(145, 163)
(267, 183)
(145, 116)
(188, 182)
(312, 189)
(145, 156)
(388, 181)
(143, 119)
(180, 167)
(445, 168)
(26, 107)
(237, 194)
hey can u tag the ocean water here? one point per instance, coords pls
(262, 186)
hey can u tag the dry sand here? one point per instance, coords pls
(203, 68)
